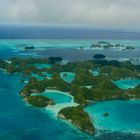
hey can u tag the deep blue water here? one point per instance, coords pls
(6, 53)
(52, 32)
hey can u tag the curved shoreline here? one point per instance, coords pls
(100, 127)
(61, 92)
(57, 107)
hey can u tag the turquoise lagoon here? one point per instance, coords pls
(127, 83)
(57, 96)
(123, 115)
(41, 77)
(67, 76)
(38, 77)
(48, 75)
(45, 75)
(40, 66)
(61, 99)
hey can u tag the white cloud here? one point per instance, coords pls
(87, 12)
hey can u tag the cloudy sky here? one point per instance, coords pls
(96, 13)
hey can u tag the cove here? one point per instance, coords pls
(67, 76)
(126, 84)
(123, 115)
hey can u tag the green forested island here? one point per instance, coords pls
(106, 45)
(85, 88)
(78, 117)
(38, 101)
